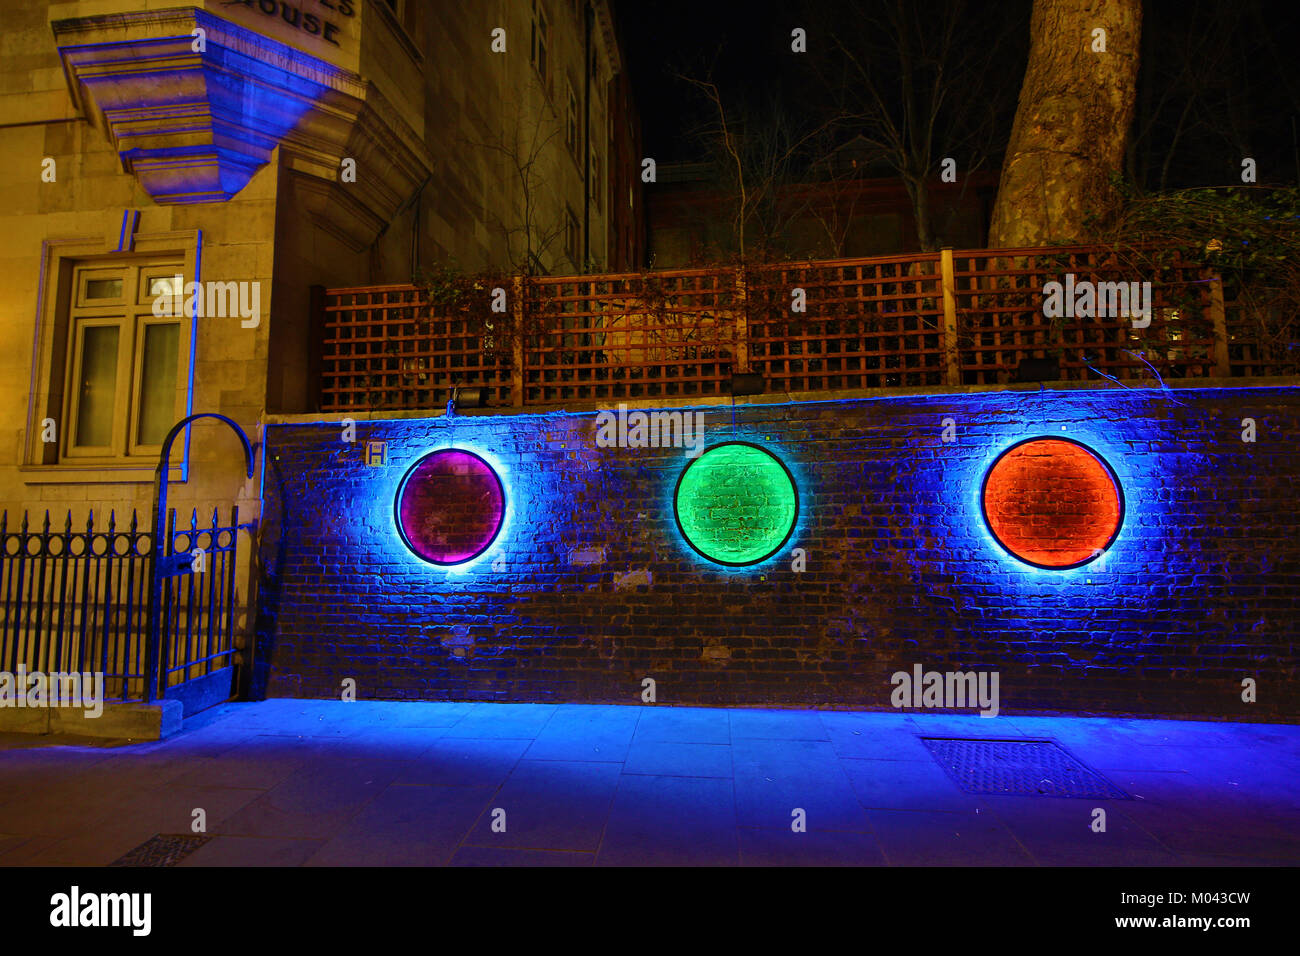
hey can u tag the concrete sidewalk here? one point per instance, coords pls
(326, 783)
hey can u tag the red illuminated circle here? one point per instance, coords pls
(450, 506)
(1052, 503)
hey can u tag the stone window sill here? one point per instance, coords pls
(96, 473)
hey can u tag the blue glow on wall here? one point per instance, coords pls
(593, 576)
(1053, 502)
(1095, 598)
(398, 467)
(805, 495)
(449, 506)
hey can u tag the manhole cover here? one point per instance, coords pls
(1034, 767)
(165, 849)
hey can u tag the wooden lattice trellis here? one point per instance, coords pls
(947, 318)
(386, 348)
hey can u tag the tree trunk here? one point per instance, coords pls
(918, 191)
(1072, 122)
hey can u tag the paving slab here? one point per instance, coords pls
(313, 802)
(671, 821)
(592, 733)
(685, 725)
(785, 847)
(666, 758)
(776, 778)
(503, 720)
(492, 856)
(937, 838)
(223, 850)
(550, 805)
(465, 762)
(406, 826)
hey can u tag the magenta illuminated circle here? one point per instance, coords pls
(450, 506)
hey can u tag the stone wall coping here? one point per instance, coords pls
(772, 398)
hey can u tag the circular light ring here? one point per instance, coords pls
(736, 504)
(449, 507)
(1052, 502)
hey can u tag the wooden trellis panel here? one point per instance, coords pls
(875, 323)
(654, 335)
(869, 323)
(386, 348)
(1000, 317)
(1255, 342)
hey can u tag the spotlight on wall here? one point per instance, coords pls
(472, 397)
(747, 383)
(1038, 370)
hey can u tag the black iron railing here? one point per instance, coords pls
(78, 600)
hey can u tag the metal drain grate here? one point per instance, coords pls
(165, 849)
(1035, 767)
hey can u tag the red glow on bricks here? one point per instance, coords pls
(450, 507)
(1052, 503)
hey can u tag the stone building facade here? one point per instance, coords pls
(259, 148)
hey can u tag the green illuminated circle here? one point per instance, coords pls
(736, 504)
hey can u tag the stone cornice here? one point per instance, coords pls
(179, 23)
(605, 24)
(391, 163)
(195, 126)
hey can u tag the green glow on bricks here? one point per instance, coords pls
(736, 504)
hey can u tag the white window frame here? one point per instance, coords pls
(132, 316)
(62, 311)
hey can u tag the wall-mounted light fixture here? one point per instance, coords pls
(473, 396)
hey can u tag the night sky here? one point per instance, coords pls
(1243, 85)
(745, 47)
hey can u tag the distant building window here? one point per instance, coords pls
(541, 40)
(404, 11)
(572, 238)
(571, 126)
(594, 178)
(124, 363)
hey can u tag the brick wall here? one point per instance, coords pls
(589, 588)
